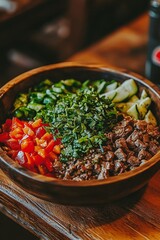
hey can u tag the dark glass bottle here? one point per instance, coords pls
(152, 69)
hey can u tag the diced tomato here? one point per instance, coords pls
(13, 144)
(50, 146)
(42, 169)
(40, 132)
(17, 123)
(49, 165)
(57, 141)
(16, 133)
(27, 145)
(37, 123)
(38, 160)
(4, 136)
(30, 145)
(53, 156)
(6, 127)
(47, 136)
(21, 158)
(27, 130)
(42, 152)
(41, 142)
(12, 153)
(57, 149)
(30, 161)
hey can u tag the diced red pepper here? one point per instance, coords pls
(47, 136)
(38, 160)
(40, 132)
(42, 169)
(50, 146)
(27, 145)
(13, 144)
(12, 153)
(37, 123)
(30, 145)
(6, 127)
(49, 165)
(16, 133)
(4, 136)
(57, 149)
(21, 158)
(53, 156)
(27, 130)
(30, 163)
(17, 123)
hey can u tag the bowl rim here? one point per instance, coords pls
(12, 165)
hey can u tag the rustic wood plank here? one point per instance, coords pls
(103, 222)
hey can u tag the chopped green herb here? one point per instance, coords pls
(80, 120)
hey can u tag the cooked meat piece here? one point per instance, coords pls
(153, 147)
(140, 145)
(140, 125)
(108, 148)
(133, 161)
(153, 131)
(104, 173)
(109, 156)
(121, 143)
(123, 131)
(127, 120)
(146, 138)
(134, 136)
(143, 154)
(119, 167)
(120, 154)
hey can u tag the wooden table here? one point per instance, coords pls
(134, 217)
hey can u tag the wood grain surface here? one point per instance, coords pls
(136, 217)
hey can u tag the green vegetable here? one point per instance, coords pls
(127, 89)
(81, 120)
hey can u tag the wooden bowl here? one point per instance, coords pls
(72, 192)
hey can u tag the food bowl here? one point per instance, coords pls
(68, 191)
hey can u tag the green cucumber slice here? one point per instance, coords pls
(144, 94)
(123, 107)
(142, 106)
(124, 91)
(111, 95)
(111, 87)
(133, 99)
(150, 118)
(133, 112)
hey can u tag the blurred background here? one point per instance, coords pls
(40, 32)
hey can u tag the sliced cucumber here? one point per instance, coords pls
(111, 95)
(142, 106)
(144, 94)
(124, 91)
(111, 87)
(123, 107)
(133, 99)
(133, 112)
(150, 118)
